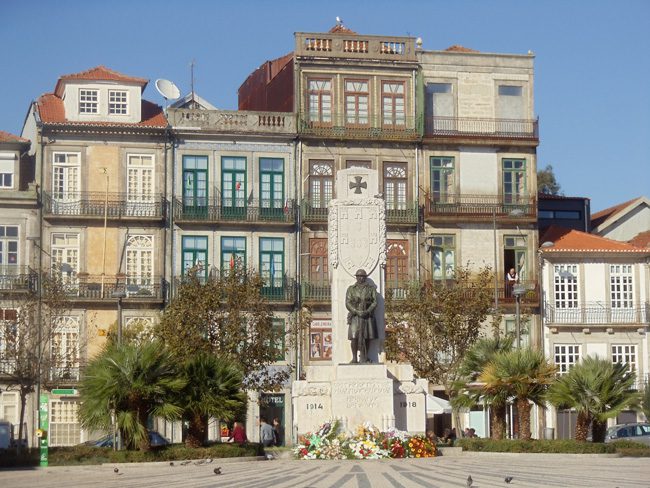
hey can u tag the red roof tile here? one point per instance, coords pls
(457, 48)
(340, 28)
(570, 240)
(100, 73)
(601, 216)
(52, 111)
(7, 137)
(641, 240)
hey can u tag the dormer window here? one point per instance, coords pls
(88, 101)
(117, 104)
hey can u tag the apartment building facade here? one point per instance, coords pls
(596, 303)
(101, 169)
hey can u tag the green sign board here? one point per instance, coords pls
(64, 391)
(43, 424)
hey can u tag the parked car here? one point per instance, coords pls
(636, 431)
(155, 439)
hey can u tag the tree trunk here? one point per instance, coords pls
(523, 411)
(23, 403)
(598, 430)
(582, 426)
(145, 443)
(497, 420)
(196, 431)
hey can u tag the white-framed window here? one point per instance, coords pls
(566, 355)
(620, 285)
(7, 167)
(139, 264)
(64, 349)
(9, 409)
(8, 340)
(88, 101)
(65, 429)
(624, 354)
(65, 176)
(65, 254)
(117, 102)
(8, 246)
(395, 184)
(566, 286)
(140, 184)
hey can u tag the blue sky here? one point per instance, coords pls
(592, 67)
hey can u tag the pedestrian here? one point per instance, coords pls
(277, 432)
(266, 433)
(238, 434)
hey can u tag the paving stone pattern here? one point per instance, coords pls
(485, 470)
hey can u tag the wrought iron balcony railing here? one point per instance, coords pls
(17, 278)
(598, 314)
(65, 373)
(280, 290)
(407, 213)
(527, 129)
(7, 366)
(211, 210)
(98, 204)
(83, 287)
(335, 125)
(316, 292)
(502, 207)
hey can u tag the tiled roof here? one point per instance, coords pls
(340, 28)
(570, 240)
(641, 240)
(601, 216)
(51, 111)
(99, 73)
(7, 137)
(457, 48)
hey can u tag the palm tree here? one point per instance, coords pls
(598, 390)
(475, 360)
(524, 374)
(135, 381)
(213, 389)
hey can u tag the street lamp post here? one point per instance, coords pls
(518, 290)
(119, 294)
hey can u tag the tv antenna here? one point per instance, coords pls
(168, 90)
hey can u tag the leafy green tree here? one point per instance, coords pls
(598, 390)
(546, 181)
(133, 381)
(524, 374)
(435, 324)
(213, 388)
(470, 392)
(227, 315)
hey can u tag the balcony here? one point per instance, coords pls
(341, 126)
(212, 211)
(529, 298)
(397, 290)
(63, 373)
(316, 293)
(233, 121)
(407, 215)
(94, 205)
(282, 291)
(481, 129)
(598, 314)
(91, 288)
(468, 207)
(17, 279)
(355, 46)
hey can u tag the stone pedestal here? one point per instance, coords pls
(354, 394)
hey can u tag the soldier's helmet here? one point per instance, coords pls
(361, 272)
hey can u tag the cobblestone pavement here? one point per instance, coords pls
(487, 470)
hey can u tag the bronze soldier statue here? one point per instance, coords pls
(361, 301)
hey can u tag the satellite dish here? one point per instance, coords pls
(167, 89)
